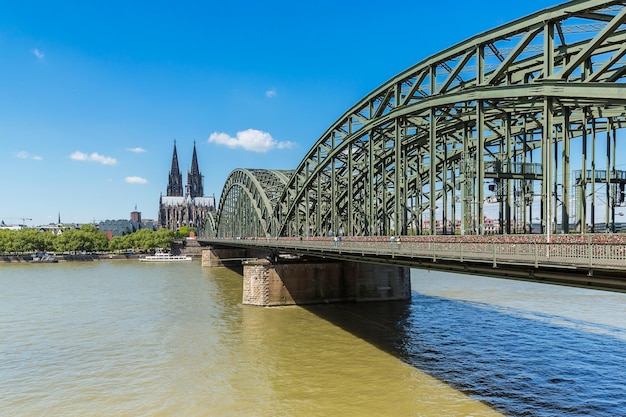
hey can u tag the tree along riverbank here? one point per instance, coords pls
(87, 239)
(82, 257)
(188, 247)
(28, 258)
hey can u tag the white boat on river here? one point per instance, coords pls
(164, 256)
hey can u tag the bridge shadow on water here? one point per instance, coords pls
(520, 363)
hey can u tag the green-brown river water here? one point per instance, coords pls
(123, 338)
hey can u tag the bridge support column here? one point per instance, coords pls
(279, 284)
(215, 257)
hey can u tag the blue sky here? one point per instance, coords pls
(93, 94)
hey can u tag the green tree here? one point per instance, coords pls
(118, 243)
(89, 228)
(29, 240)
(147, 239)
(164, 238)
(88, 239)
(144, 239)
(7, 239)
(26, 240)
(69, 241)
(184, 232)
(94, 239)
(48, 241)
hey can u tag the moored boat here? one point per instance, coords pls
(165, 256)
(43, 257)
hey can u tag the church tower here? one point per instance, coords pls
(192, 209)
(194, 178)
(175, 184)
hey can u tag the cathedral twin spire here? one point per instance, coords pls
(194, 177)
(175, 183)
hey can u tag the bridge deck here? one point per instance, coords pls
(572, 263)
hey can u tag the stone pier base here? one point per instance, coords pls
(279, 284)
(213, 257)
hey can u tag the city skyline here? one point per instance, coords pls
(95, 96)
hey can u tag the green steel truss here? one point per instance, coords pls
(247, 203)
(517, 117)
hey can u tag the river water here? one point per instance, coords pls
(122, 338)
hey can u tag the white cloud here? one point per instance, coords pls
(250, 140)
(38, 53)
(26, 155)
(271, 93)
(136, 150)
(136, 180)
(93, 157)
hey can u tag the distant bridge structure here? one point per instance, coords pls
(525, 117)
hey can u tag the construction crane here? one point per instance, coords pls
(23, 219)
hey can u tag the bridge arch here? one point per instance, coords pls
(514, 118)
(247, 202)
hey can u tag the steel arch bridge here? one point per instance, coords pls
(524, 117)
(248, 201)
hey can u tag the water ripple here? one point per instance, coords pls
(522, 364)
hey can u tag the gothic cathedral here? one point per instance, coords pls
(190, 208)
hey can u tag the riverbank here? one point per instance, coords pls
(70, 257)
(185, 247)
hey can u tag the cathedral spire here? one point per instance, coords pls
(175, 184)
(194, 178)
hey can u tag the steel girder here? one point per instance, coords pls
(492, 120)
(210, 225)
(247, 202)
(418, 154)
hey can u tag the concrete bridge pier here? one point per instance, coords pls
(309, 282)
(215, 257)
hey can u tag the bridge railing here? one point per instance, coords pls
(576, 254)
